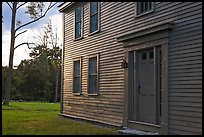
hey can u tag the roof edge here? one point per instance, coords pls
(62, 7)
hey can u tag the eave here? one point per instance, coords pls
(62, 7)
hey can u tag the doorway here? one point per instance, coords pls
(144, 85)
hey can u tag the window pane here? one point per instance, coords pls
(150, 5)
(78, 30)
(93, 65)
(138, 8)
(78, 14)
(76, 81)
(76, 68)
(151, 54)
(94, 8)
(92, 87)
(144, 56)
(94, 23)
(76, 84)
(78, 19)
(93, 16)
(146, 6)
(143, 7)
(92, 84)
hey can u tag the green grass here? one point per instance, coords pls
(37, 118)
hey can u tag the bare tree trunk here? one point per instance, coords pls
(56, 88)
(10, 71)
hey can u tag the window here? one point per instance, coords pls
(78, 22)
(151, 54)
(143, 8)
(144, 56)
(93, 75)
(94, 17)
(77, 76)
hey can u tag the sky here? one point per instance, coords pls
(34, 29)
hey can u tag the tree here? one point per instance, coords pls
(4, 74)
(36, 12)
(48, 50)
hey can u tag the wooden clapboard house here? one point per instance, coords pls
(134, 64)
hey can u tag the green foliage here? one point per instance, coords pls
(37, 118)
(35, 79)
(4, 76)
(35, 10)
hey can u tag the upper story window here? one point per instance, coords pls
(143, 8)
(94, 17)
(78, 22)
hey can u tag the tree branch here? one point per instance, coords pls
(49, 7)
(20, 33)
(21, 5)
(9, 5)
(23, 44)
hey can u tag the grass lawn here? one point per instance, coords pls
(37, 118)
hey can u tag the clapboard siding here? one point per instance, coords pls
(184, 62)
(107, 106)
(185, 73)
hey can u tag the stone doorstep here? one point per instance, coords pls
(127, 131)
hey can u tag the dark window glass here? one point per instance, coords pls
(94, 23)
(151, 54)
(92, 75)
(144, 56)
(143, 7)
(78, 21)
(76, 82)
(93, 17)
(94, 8)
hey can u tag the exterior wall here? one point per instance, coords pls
(107, 107)
(184, 63)
(185, 71)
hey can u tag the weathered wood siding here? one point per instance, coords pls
(107, 107)
(184, 72)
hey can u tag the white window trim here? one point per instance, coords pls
(97, 63)
(80, 63)
(144, 13)
(90, 33)
(82, 23)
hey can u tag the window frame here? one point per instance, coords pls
(82, 23)
(146, 12)
(90, 33)
(78, 92)
(97, 69)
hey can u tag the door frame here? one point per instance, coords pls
(163, 127)
(156, 34)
